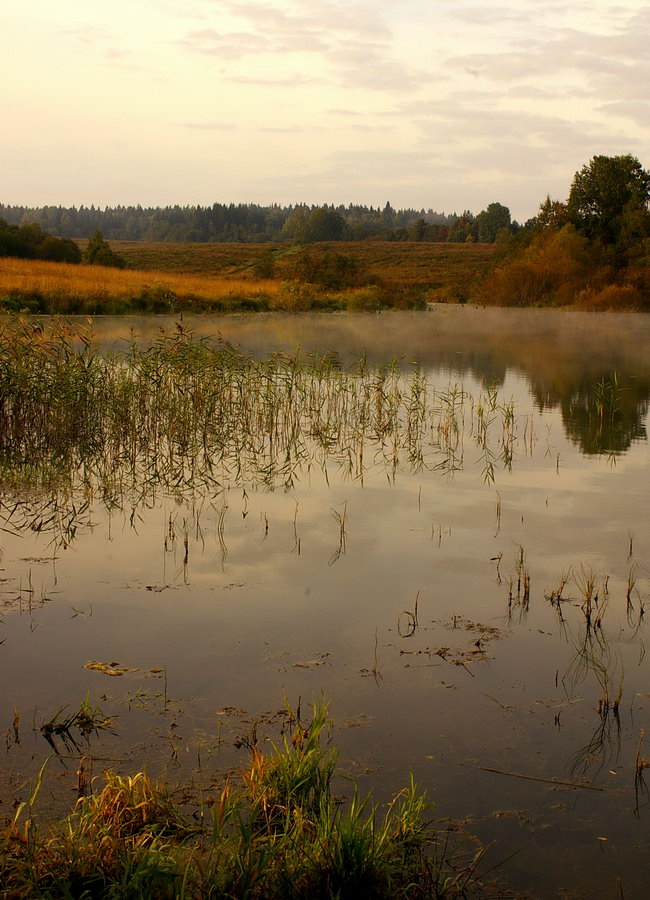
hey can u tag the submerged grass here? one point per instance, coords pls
(280, 833)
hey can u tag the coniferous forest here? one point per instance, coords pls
(252, 223)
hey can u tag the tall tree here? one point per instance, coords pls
(607, 194)
(491, 221)
(325, 224)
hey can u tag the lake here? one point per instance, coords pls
(450, 544)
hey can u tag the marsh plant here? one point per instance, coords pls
(187, 416)
(278, 831)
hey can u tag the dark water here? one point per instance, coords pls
(428, 624)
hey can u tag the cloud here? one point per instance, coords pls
(291, 81)
(290, 129)
(207, 126)
(588, 56)
(344, 112)
(493, 16)
(308, 17)
(89, 35)
(350, 42)
(637, 111)
(230, 45)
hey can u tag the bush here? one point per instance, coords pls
(295, 297)
(367, 298)
(264, 265)
(98, 253)
(332, 271)
(612, 297)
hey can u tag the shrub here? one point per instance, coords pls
(365, 298)
(295, 296)
(98, 253)
(612, 297)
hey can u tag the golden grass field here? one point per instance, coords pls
(214, 277)
(49, 277)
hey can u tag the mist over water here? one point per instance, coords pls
(467, 613)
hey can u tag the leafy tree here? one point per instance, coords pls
(609, 194)
(552, 214)
(232, 222)
(99, 253)
(325, 224)
(418, 230)
(491, 221)
(59, 250)
(295, 226)
(463, 229)
(29, 241)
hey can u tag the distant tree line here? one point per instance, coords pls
(251, 223)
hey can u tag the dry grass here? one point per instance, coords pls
(222, 278)
(51, 279)
(393, 262)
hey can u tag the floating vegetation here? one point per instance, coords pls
(88, 719)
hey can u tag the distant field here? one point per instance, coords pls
(409, 265)
(227, 277)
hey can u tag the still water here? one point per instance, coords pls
(476, 615)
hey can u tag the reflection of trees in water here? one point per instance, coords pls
(603, 410)
(484, 365)
(603, 406)
(602, 413)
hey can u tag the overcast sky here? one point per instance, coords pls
(448, 104)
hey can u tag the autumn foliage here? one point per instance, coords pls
(592, 252)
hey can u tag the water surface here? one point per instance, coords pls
(417, 598)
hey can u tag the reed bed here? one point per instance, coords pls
(280, 832)
(190, 416)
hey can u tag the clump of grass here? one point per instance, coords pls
(519, 586)
(88, 719)
(281, 833)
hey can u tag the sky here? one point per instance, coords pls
(441, 104)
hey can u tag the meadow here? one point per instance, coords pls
(244, 277)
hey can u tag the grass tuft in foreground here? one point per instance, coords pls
(281, 833)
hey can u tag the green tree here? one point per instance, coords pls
(552, 214)
(325, 224)
(607, 196)
(59, 250)
(491, 221)
(418, 230)
(295, 227)
(463, 229)
(99, 253)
